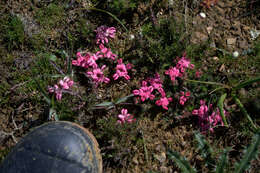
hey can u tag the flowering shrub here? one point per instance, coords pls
(151, 88)
(145, 92)
(125, 117)
(89, 60)
(208, 121)
(63, 85)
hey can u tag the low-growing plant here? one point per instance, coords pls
(205, 149)
(12, 30)
(231, 91)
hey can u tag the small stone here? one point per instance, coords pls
(203, 15)
(235, 54)
(132, 36)
(231, 41)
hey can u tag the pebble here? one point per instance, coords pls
(132, 36)
(235, 54)
(203, 15)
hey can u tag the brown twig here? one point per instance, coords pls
(15, 129)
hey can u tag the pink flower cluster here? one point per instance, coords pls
(125, 117)
(103, 34)
(184, 97)
(121, 70)
(64, 84)
(98, 76)
(207, 120)
(145, 92)
(180, 68)
(89, 60)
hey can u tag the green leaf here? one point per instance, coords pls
(205, 150)
(112, 15)
(242, 108)
(221, 109)
(223, 161)
(104, 105)
(124, 99)
(181, 162)
(250, 153)
(248, 82)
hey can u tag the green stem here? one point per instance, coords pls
(104, 11)
(221, 109)
(209, 83)
(242, 108)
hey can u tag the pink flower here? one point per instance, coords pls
(198, 74)
(208, 121)
(183, 64)
(64, 84)
(125, 117)
(103, 34)
(184, 97)
(145, 92)
(98, 76)
(164, 102)
(86, 61)
(81, 60)
(156, 82)
(179, 69)
(106, 52)
(121, 71)
(173, 72)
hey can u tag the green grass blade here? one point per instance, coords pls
(250, 153)
(223, 161)
(104, 11)
(209, 83)
(124, 99)
(221, 109)
(181, 162)
(103, 105)
(248, 82)
(242, 108)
